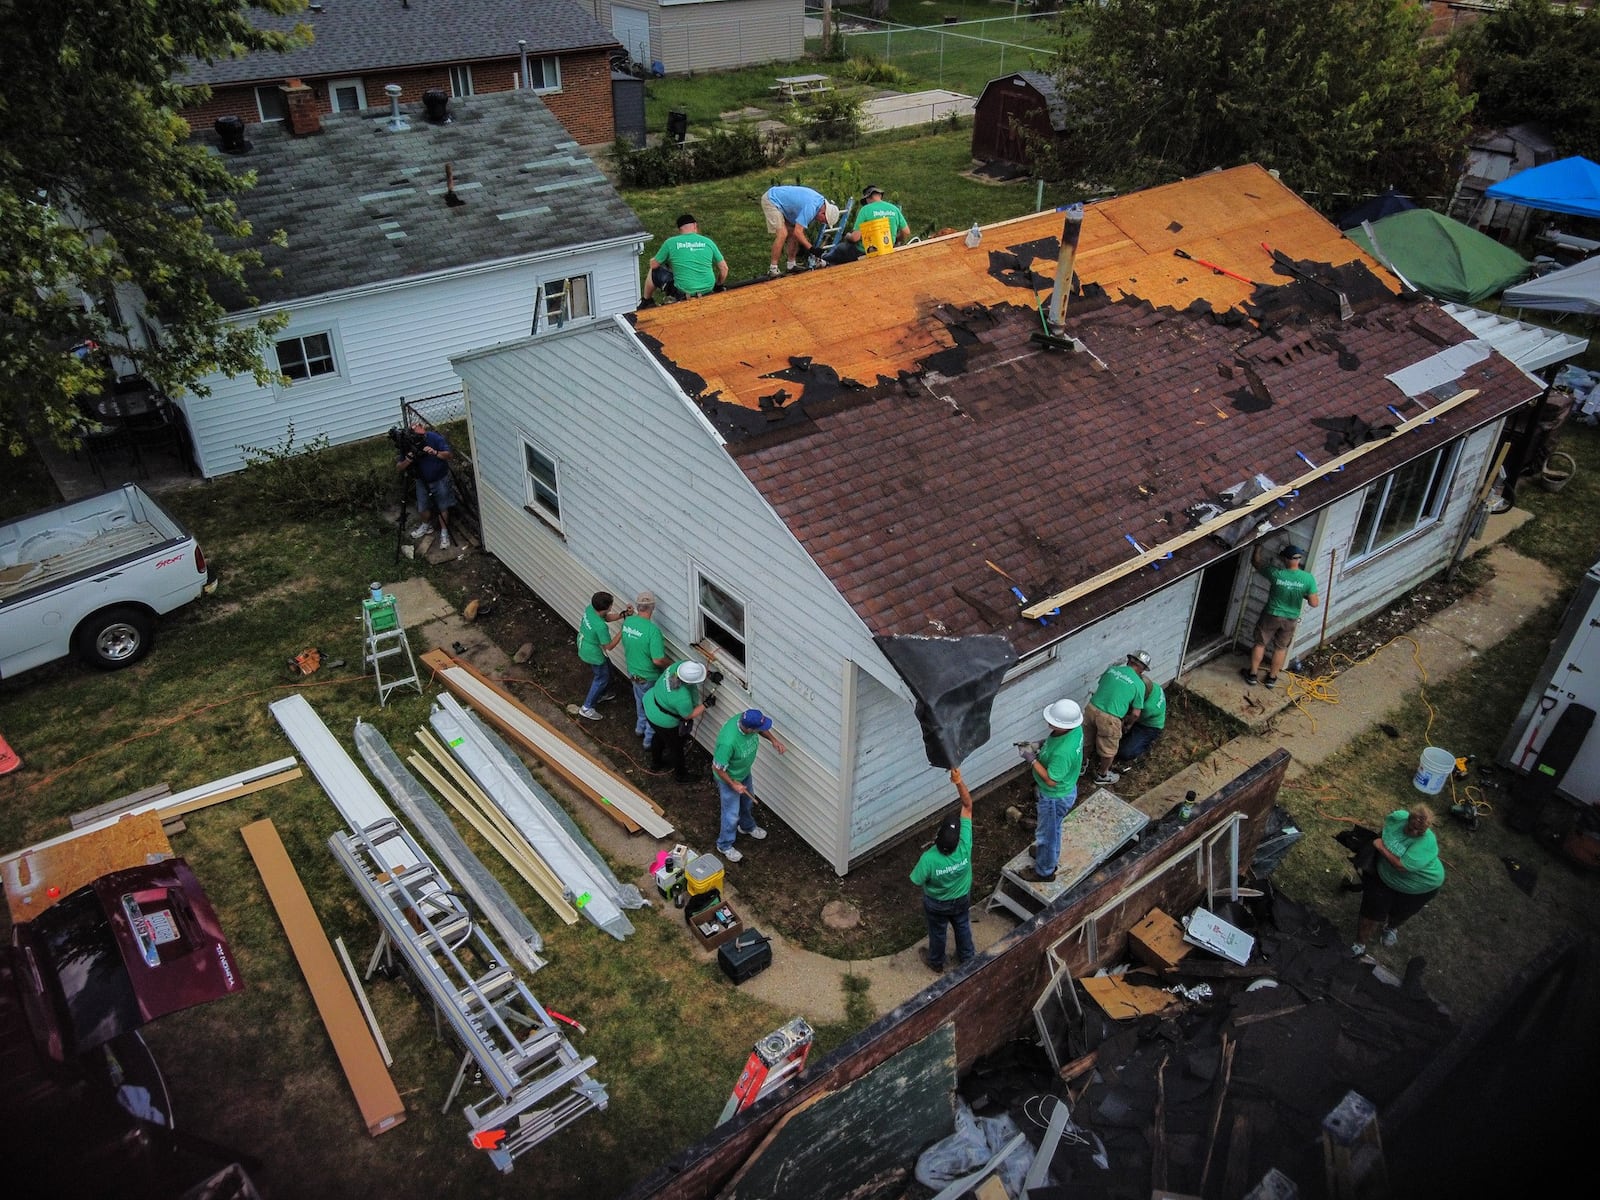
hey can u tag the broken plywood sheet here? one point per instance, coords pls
(1092, 832)
(866, 1129)
(1123, 1001)
(39, 878)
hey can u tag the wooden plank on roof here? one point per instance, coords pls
(619, 800)
(376, 1096)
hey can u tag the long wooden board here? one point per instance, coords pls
(379, 1100)
(630, 808)
(1216, 524)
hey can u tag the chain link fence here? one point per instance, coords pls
(446, 413)
(960, 56)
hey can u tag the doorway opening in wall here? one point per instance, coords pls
(1209, 630)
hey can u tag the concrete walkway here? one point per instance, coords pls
(811, 985)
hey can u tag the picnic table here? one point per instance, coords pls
(793, 86)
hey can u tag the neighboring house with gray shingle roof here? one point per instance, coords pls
(387, 270)
(460, 47)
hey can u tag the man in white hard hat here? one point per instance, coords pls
(672, 705)
(1056, 767)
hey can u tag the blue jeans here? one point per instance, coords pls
(738, 815)
(956, 914)
(1137, 741)
(641, 723)
(601, 684)
(1052, 811)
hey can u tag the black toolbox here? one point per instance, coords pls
(749, 953)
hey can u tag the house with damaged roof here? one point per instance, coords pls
(407, 241)
(814, 472)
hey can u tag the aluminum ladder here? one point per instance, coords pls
(536, 1082)
(386, 638)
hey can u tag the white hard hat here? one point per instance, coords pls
(1064, 714)
(1142, 657)
(692, 672)
(830, 212)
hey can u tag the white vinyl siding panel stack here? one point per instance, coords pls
(646, 491)
(727, 33)
(389, 343)
(1359, 590)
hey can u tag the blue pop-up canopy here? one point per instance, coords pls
(1568, 185)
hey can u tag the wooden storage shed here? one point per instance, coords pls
(1010, 110)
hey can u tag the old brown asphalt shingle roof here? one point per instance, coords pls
(900, 420)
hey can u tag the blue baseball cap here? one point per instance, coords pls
(755, 720)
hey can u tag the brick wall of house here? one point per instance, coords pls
(583, 104)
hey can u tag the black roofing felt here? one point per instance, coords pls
(354, 36)
(361, 205)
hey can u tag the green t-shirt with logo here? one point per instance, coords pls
(1061, 754)
(593, 634)
(1119, 689)
(1420, 855)
(1154, 715)
(1291, 588)
(693, 258)
(642, 644)
(669, 706)
(736, 750)
(944, 876)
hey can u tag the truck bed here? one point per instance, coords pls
(46, 558)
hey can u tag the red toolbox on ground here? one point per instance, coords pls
(746, 954)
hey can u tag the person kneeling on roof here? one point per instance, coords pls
(689, 264)
(880, 227)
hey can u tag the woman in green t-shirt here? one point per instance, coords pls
(1409, 874)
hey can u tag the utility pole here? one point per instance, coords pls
(827, 27)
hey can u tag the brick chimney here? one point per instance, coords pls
(301, 103)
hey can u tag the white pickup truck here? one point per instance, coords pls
(90, 578)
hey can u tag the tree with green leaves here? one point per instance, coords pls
(106, 206)
(1338, 96)
(1533, 61)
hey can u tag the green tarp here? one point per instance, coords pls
(1442, 257)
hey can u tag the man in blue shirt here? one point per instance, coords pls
(430, 465)
(788, 210)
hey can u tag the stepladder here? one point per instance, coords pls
(386, 649)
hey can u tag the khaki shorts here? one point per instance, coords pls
(1107, 730)
(774, 216)
(1275, 633)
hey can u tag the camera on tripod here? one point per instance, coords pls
(408, 443)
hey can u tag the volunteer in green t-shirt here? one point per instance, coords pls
(1113, 709)
(1409, 874)
(645, 653)
(1290, 587)
(1057, 763)
(880, 226)
(1151, 725)
(689, 264)
(595, 641)
(733, 762)
(672, 704)
(944, 873)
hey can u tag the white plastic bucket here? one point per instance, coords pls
(1433, 770)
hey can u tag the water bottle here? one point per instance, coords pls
(1186, 809)
(974, 236)
(377, 590)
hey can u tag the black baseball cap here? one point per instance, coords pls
(949, 836)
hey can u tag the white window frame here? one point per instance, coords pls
(461, 80)
(333, 94)
(549, 67)
(275, 90)
(700, 634)
(335, 355)
(533, 502)
(1435, 499)
(557, 300)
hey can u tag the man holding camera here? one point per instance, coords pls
(427, 455)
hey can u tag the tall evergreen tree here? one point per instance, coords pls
(1535, 61)
(1338, 96)
(101, 191)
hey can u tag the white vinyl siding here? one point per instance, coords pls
(461, 81)
(729, 33)
(391, 343)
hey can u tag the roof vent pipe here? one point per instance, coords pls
(396, 123)
(1071, 230)
(522, 51)
(230, 132)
